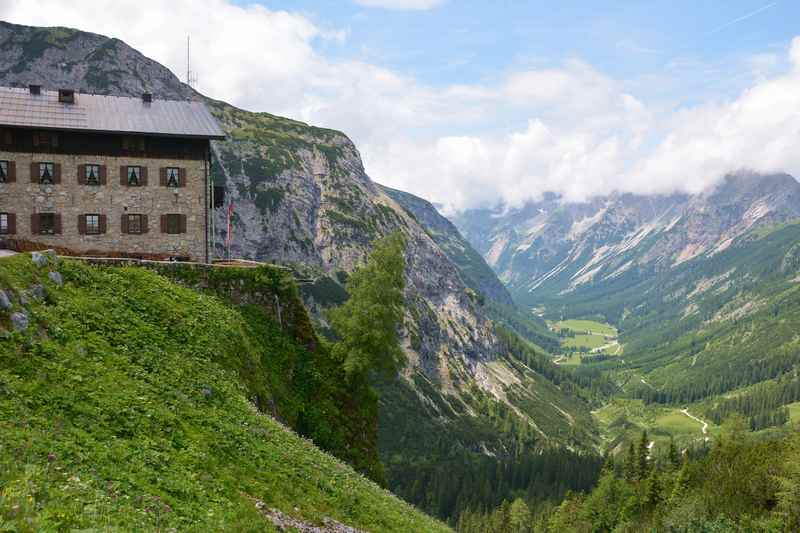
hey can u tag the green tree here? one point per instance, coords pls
(642, 462)
(681, 483)
(674, 456)
(630, 463)
(366, 324)
(520, 518)
(789, 490)
(652, 492)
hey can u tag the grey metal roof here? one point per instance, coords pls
(110, 114)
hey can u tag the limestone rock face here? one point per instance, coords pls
(308, 200)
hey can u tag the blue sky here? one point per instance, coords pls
(475, 103)
(469, 41)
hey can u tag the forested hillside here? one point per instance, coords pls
(738, 484)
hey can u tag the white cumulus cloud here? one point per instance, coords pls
(568, 128)
(401, 4)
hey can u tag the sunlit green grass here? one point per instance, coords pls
(122, 409)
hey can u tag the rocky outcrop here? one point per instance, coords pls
(301, 196)
(473, 268)
(87, 62)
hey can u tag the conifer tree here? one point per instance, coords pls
(652, 494)
(789, 491)
(641, 458)
(366, 324)
(674, 457)
(520, 518)
(630, 463)
(681, 482)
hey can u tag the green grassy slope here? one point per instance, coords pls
(122, 408)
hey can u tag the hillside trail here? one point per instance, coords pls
(696, 419)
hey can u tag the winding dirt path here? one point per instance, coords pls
(705, 424)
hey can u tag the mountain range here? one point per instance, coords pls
(550, 248)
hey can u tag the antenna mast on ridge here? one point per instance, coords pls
(191, 77)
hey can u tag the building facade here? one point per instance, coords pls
(105, 176)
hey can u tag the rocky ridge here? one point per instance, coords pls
(550, 248)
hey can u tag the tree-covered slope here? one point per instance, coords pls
(130, 403)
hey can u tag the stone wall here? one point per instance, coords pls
(71, 200)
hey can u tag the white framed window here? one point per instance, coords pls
(134, 176)
(173, 177)
(3, 171)
(135, 225)
(47, 223)
(92, 174)
(5, 223)
(47, 173)
(92, 224)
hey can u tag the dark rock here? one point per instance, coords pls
(19, 321)
(38, 292)
(5, 301)
(56, 278)
(39, 259)
(51, 256)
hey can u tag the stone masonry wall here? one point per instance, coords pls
(71, 200)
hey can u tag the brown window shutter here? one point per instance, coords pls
(81, 174)
(182, 177)
(144, 177)
(123, 175)
(103, 224)
(162, 177)
(145, 229)
(57, 225)
(12, 224)
(182, 224)
(123, 224)
(81, 224)
(34, 172)
(35, 224)
(163, 223)
(12, 172)
(103, 175)
(56, 173)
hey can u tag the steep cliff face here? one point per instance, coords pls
(301, 196)
(473, 268)
(550, 249)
